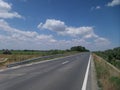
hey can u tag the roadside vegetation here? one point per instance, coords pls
(108, 77)
(111, 55)
(20, 55)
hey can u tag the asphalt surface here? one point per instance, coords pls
(61, 74)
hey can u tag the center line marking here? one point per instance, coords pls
(65, 62)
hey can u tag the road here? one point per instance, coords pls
(61, 74)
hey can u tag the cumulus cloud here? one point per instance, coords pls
(98, 7)
(61, 28)
(53, 25)
(101, 41)
(114, 3)
(16, 33)
(79, 31)
(13, 38)
(82, 34)
(6, 11)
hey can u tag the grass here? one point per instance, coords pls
(108, 78)
(15, 58)
(20, 55)
(116, 82)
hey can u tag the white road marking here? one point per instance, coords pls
(1, 70)
(10, 68)
(15, 67)
(65, 62)
(86, 76)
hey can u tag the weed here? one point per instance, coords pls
(106, 79)
(115, 81)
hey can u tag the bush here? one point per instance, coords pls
(79, 48)
(7, 51)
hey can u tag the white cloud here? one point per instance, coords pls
(18, 39)
(13, 38)
(4, 5)
(53, 25)
(84, 35)
(95, 8)
(114, 3)
(61, 28)
(78, 31)
(98, 7)
(16, 33)
(101, 41)
(6, 11)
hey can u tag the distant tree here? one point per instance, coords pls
(7, 51)
(25, 50)
(67, 50)
(111, 55)
(79, 48)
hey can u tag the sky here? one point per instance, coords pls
(59, 24)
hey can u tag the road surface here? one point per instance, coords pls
(61, 74)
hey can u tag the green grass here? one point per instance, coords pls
(101, 74)
(36, 52)
(0, 51)
(106, 79)
(115, 81)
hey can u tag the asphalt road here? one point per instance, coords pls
(61, 74)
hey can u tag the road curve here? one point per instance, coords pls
(61, 74)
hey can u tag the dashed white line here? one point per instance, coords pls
(65, 62)
(10, 68)
(1, 70)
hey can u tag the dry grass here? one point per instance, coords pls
(15, 58)
(108, 77)
(23, 56)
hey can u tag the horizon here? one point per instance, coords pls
(54, 49)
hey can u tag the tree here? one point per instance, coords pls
(7, 51)
(79, 48)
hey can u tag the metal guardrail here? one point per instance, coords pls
(34, 60)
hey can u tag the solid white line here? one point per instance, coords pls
(86, 76)
(1, 70)
(65, 62)
(15, 67)
(10, 68)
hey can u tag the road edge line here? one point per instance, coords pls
(86, 75)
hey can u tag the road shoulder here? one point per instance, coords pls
(94, 85)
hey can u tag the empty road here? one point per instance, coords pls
(61, 74)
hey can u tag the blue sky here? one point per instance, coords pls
(59, 24)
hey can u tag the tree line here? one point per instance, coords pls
(56, 51)
(111, 55)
